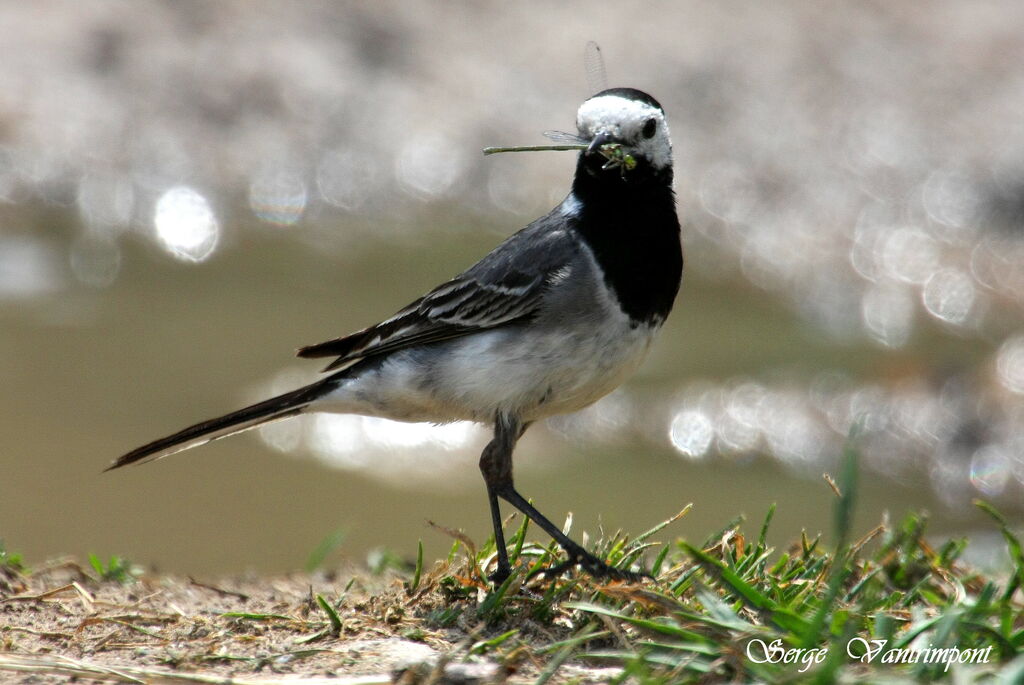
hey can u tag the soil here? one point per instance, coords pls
(59, 623)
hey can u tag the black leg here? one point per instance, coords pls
(575, 552)
(496, 466)
(504, 567)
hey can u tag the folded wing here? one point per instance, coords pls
(506, 286)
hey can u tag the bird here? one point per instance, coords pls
(555, 317)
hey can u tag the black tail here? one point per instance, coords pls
(282, 406)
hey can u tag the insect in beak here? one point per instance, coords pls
(603, 143)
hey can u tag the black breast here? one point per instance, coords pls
(634, 233)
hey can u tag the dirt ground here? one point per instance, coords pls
(61, 624)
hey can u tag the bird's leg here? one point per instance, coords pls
(496, 466)
(504, 567)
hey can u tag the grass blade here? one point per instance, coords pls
(764, 527)
(331, 542)
(1012, 543)
(418, 573)
(532, 148)
(332, 614)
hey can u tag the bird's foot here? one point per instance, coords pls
(500, 576)
(589, 564)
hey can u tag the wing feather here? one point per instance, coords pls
(506, 286)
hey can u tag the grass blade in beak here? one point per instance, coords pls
(532, 148)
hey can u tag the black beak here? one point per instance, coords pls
(600, 139)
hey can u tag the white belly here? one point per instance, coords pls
(529, 374)
(579, 346)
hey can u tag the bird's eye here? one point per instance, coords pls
(650, 126)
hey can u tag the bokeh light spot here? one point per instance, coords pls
(949, 295)
(888, 313)
(278, 197)
(185, 224)
(1010, 364)
(691, 433)
(990, 470)
(345, 179)
(910, 255)
(429, 166)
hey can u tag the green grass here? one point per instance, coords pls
(329, 545)
(884, 605)
(117, 569)
(881, 605)
(10, 560)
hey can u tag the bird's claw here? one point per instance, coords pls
(590, 564)
(499, 576)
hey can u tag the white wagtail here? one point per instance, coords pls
(554, 318)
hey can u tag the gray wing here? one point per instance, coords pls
(506, 286)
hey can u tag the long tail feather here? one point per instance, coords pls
(279, 407)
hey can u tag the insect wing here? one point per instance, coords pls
(593, 62)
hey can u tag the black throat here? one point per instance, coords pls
(630, 223)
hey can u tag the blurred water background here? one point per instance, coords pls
(191, 190)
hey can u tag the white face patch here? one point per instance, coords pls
(625, 119)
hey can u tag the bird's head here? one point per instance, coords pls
(623, 137)
(626, 134)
